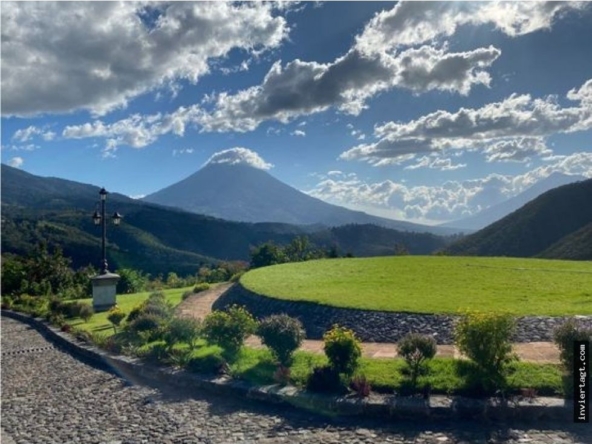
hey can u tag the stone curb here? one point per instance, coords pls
(387, 406)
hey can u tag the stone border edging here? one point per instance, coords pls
(436, 407)
(374, 325)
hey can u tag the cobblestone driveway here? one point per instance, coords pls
(50, 397)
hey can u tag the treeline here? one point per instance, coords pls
(298, 250)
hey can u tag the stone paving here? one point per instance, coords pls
(50, 397)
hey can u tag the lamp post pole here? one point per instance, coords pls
(104, 266)
(105, 283)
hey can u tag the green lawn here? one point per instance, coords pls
(433, 284)
(99, 322)
(446, 375)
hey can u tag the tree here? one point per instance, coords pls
(267, 254)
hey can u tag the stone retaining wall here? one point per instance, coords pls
(376, 326)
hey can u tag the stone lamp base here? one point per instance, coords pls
(104, 291)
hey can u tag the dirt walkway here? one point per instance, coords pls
(200, 305)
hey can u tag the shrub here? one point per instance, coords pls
(485, 339)
(283, 335)
(66, 328)
(361, 386)
(157, 305)
(185, 330)
(211, 364)
(229, 329)
(147, 326)
(416, 349)
(565, 335)
(115, 316)
(86, 311)
(325, 379)
(201, 287)
(343, 349)
(134, 313)
(186, 294)
(236, 276)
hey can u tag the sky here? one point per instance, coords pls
(419, 111)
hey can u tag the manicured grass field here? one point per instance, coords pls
(99, 322)
(433, 284)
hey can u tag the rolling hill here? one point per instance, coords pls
(159, 239)
(551, 226)
(496, 212)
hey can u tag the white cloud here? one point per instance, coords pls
(511, 130)
(59, 57)
(303, 88)
(414, 23)
(452, 200)
(387, 54)
(182, 151)
(26, 134)
(436, 163)
(238, 155)
(16, 162)
(298, 133)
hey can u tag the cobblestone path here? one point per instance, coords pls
(50, 397)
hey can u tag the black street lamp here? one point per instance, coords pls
(100, 219)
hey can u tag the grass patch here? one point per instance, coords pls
(433, 284)
(445, 375)
(126, 302)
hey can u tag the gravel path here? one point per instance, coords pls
(50, 397)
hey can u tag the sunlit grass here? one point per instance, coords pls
(126, 302)
(433, 284)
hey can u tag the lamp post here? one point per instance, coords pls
(100, 219)
(105, 283)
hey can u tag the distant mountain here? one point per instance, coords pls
(247, 194)
(547, 226)
(496, 212)
(159, 239)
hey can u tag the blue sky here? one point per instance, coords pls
(420, 111)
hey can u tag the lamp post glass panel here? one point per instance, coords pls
(104, 284)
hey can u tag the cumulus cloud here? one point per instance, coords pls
(136, 131)
(414, 23)
(451, 200)
(26, 134)
(391, 52)
(436, 163)
(59, 57)
(299, 133)
(511, 130)
(303, 88)
(16, 162)
(239, 156)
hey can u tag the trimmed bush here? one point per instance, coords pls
(325, 379)
(565, 335)
(85, 311)
(211, 364)
(283, 335)
(485, 338)
(343, 349)
(115, 316)
(416, 349)
(185, 330)
(229, 329)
